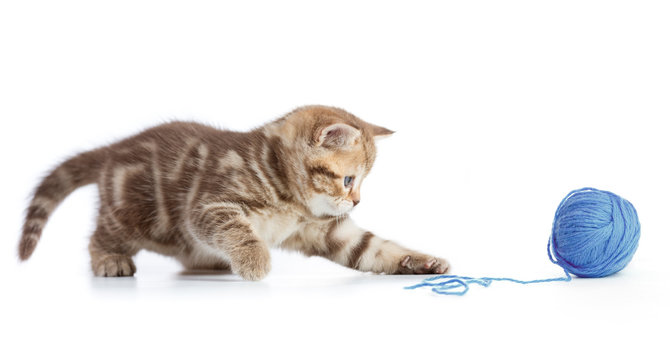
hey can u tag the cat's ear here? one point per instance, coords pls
(337, 135)
(379, 132)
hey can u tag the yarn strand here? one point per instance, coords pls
(460, 285)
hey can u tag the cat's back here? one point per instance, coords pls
(171, 133)
(150, 178)
(171, 141)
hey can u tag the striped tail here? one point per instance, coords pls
(80, 170)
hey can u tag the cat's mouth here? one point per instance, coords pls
(323, 206)
(341, 212)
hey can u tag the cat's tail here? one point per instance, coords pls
(80, 170)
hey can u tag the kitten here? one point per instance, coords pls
(220, 200)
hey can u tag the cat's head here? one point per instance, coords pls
(336, 151)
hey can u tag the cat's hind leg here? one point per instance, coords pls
(111, 253)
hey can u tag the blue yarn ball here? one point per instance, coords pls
(595, 233)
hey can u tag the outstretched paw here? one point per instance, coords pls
(422, 264)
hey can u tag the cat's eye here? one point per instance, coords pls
(348, 180)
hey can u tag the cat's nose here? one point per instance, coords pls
(355, 197)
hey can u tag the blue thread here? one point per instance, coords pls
(595, 234)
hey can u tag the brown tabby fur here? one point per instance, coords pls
(218, 199)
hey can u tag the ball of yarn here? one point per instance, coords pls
(595, 233)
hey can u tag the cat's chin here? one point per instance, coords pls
(340, 214)
(331, 214)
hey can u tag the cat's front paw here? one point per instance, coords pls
(422, 264)
(251, 262)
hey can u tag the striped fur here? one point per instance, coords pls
(218, 199)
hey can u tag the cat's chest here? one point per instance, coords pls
(274, 228)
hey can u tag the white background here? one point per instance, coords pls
(500, 107)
